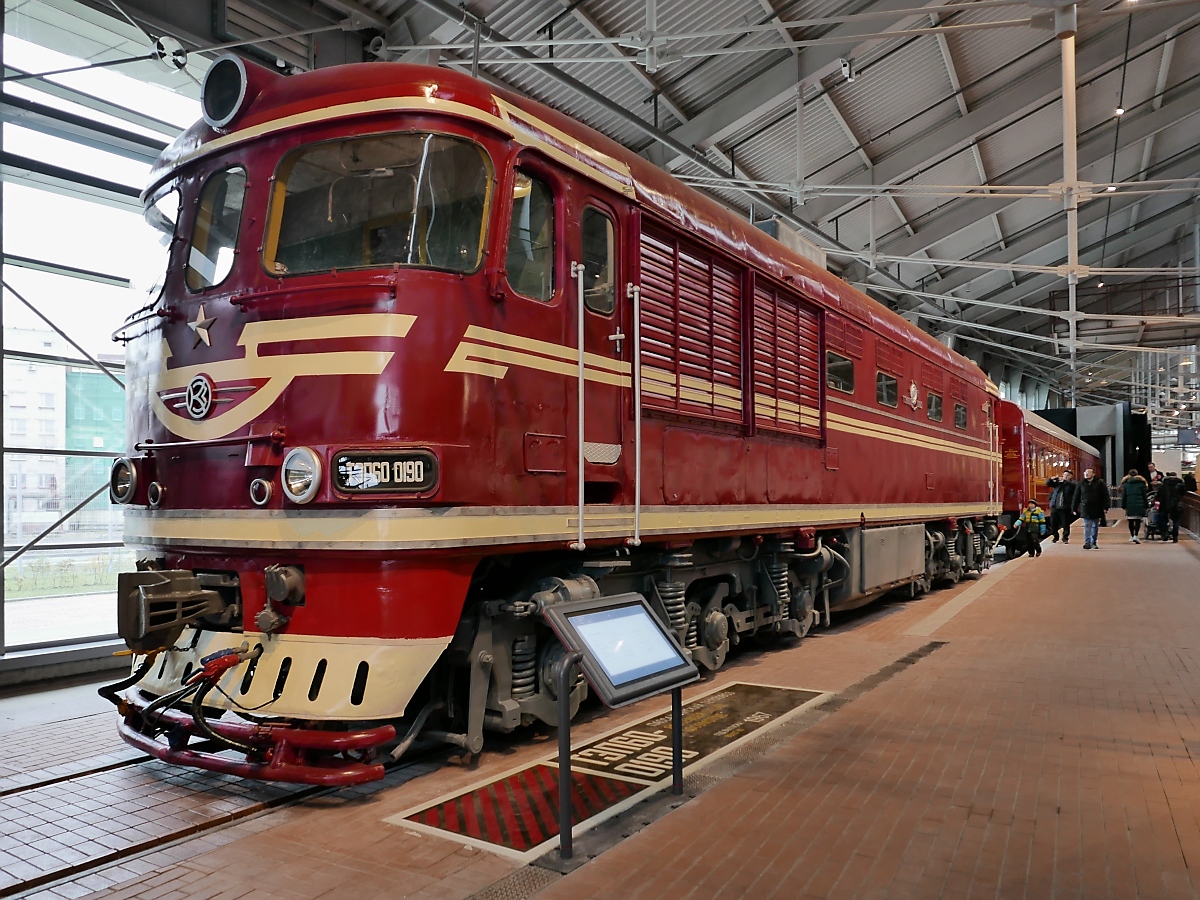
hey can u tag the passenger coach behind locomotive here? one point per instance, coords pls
(430, 357)
(1034, 451)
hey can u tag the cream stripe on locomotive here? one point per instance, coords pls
(417, 529)
(483, 351)
(277, 371)
(521, 126)
(896, 436)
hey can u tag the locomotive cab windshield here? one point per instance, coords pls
(411, 199)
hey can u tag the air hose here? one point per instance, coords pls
(110, 692)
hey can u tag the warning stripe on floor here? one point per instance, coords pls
(517, 812)
(521, 811)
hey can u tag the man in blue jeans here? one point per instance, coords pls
(1091, 502)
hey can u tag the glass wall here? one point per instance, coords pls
(78, 258)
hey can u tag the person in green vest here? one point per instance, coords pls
(1034, 521)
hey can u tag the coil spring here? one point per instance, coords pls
(977, 539)
(692, 639)
(524, 668)
(777, 571)
(672, 594)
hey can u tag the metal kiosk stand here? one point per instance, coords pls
(626, 655)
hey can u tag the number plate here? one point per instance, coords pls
(402, 471)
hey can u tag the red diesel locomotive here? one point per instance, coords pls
(429, 357)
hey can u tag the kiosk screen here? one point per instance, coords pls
(626, 643)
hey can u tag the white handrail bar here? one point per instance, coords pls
(577, 274)
(635, 294)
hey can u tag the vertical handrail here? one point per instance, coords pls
(635, 294)
(577, 274)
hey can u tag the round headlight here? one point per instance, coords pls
(301, 474)
(223, 90)
(122, 480)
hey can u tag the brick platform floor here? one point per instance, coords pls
(1045, 750)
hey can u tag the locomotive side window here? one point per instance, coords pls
(598, 254)
(215, 231)
(960, 416)
(161, 214)
(530, 261)
(886, 390)
(415, 199)
(933, 406)
(839, 372)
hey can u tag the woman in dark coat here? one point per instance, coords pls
(1135, 499)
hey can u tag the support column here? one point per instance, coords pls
(1065, 24)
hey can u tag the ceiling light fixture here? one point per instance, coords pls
(1120, 110)
(1111, 188)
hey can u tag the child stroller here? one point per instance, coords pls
(1154, 518)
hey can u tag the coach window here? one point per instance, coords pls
(598, 254)
(960, 416)
(839, 372)
(933, 407)
(215, 231)
(886, 389)
(530, 261)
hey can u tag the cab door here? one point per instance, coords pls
(597, 253)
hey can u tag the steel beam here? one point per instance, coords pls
(1044, 169)
(1007, 104)
(775, 85)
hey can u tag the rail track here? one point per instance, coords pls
(82, 822)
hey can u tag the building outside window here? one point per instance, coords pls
(95, 260)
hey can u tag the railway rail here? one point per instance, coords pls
(69, 826)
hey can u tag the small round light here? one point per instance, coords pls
(301, 475)
(155, 494)
(1120, 110)
(122, 480)
(260, 492)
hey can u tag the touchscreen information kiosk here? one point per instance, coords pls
(626, 654)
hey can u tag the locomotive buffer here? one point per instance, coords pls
(627, 655)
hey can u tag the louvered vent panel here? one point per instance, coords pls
(835, 333)
(889, 357)
(691, 330)
(854, 340)
(958, 389)
(931, 376)
(786, 366)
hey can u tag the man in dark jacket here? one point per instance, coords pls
(1062, 495)
(1170, 498)
(1091, 501)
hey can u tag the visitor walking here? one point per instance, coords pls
(1091, 501)
(1135, 493)
(1170, 499)
(1062, 495)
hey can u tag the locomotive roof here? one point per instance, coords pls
(1032, 418)
(373, 89)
